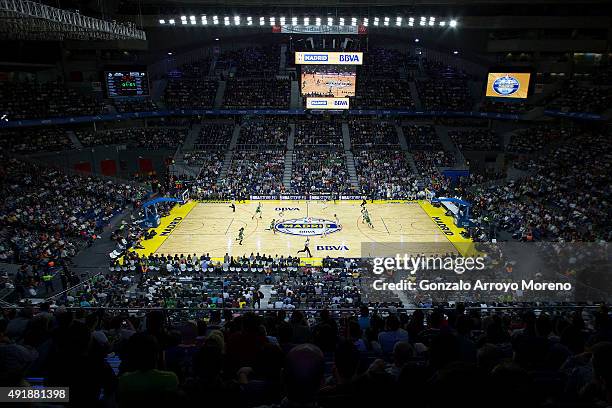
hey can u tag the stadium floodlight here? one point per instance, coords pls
(226, 20)
(366, 21)
(330, 21)
(455, 52)
(162, 21)
(375, 21)
(442, 23)
(183, 19)
(204, 20)
(318, 21)
(294, 20)
(262, 21)
(169, 53)
(191, 17)
(236, 20)
(453, 23)
(249, 20)
(386, 21)
(272, 21)
(282, 21)
(416, 40)
(398, 21)
(341, 21)
(354, 21)
(171, 21)
(215, 20)
(306, 20)
(432, 21)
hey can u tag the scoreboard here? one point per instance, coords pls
(126, 83)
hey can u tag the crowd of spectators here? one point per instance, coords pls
(214, 135)
(379, 93)
(318, 133)
(318, 170)
(371, 134)
(150, 137)
(384, 173)
(264, 132)
(255, 172)
(475, 139)
(253, 93)
(445, 89)
(287, 358)
(135, 105)
(577, 97)
(252, 61)
(421, 137)
(47, 215)
(383, 63)
(32, 100)
(190, 93)
(508, 107)
(534, 139)
(35, 139)
(563, 199)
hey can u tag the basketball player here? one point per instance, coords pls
(366, 216)
(233, 206)
(337, 220)
(240, 235)
(271, 228)
(363, 202)
(257, 211)
(306, 249)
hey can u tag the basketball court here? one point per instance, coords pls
(335, 229)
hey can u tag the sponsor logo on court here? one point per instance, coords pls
(443, 227)
(332, 248)
(287, 209)
(173, 224)
(506, 85)
(307, 226)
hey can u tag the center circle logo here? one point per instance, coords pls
(506, 85)
(307, 226)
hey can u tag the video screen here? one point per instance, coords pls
(336, 81)
(126, 83)
(513, 85)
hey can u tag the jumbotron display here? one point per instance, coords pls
(514, 85)
(126, 83)
(328, 80)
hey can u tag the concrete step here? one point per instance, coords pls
(219, 96)
(76, 143)
(350, 167)
(296, 97)
(415, 95)
(346, 136)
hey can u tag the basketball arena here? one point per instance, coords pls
(291, 204)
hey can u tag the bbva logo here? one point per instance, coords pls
(286, 209)
(341, 103)
(332, 248)
(349, 58)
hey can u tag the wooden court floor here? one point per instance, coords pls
(214, 228)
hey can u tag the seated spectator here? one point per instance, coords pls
(143, 382)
